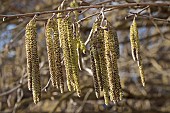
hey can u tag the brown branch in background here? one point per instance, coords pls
(67, 95)
(120, 6)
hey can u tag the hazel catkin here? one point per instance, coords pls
(50, 52)
(135, 47)
(94, 64)
(73, 55)
(111, 62)
(57, 54)
(32, 54)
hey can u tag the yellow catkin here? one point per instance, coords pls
(114, 56)
(101, 48)
(96, 28)
(109, 64)
(62, 28)
(136, 36)
(80, 45)
(136, 52)
(57, 55)
(50, 52)
(29, 33)
(133, 42)
(97, 49)
(94, 63)
(73, 54)
(36, 86)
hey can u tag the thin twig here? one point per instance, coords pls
(67, 95)
(84, 101)
(120, 6)
(46, 86)
(11, 90)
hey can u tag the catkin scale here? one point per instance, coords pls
(32, 45)
(141, 71)
(116, 43)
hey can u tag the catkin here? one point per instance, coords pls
(30, 32)
(50, 52)
(133, 42)
(62, 28)
(111, 62)
(99, 61)
(114, 56)
(31, 35)
(102, 60)
(135, 46)
(136, 36)
(74, 57)
(98, 47)
(60, 79)
(95, 65)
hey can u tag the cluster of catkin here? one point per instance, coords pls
(61, 37)
(104, 52)
(135, 48)
(32, 60)
(54, 54)
(69, 46)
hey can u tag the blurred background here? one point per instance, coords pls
(154, 31)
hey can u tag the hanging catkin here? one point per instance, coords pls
(100, 60)
(80, 45)
(135, 45)
(133, 41)
(50, 52)
(31, 38)
(62, 28)
(101, 49)
(73, 53)
(30, 32)
(111, 62)
(94, 63)
(114, 55)
(136, 36)
(98, 47)
(57, 55)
